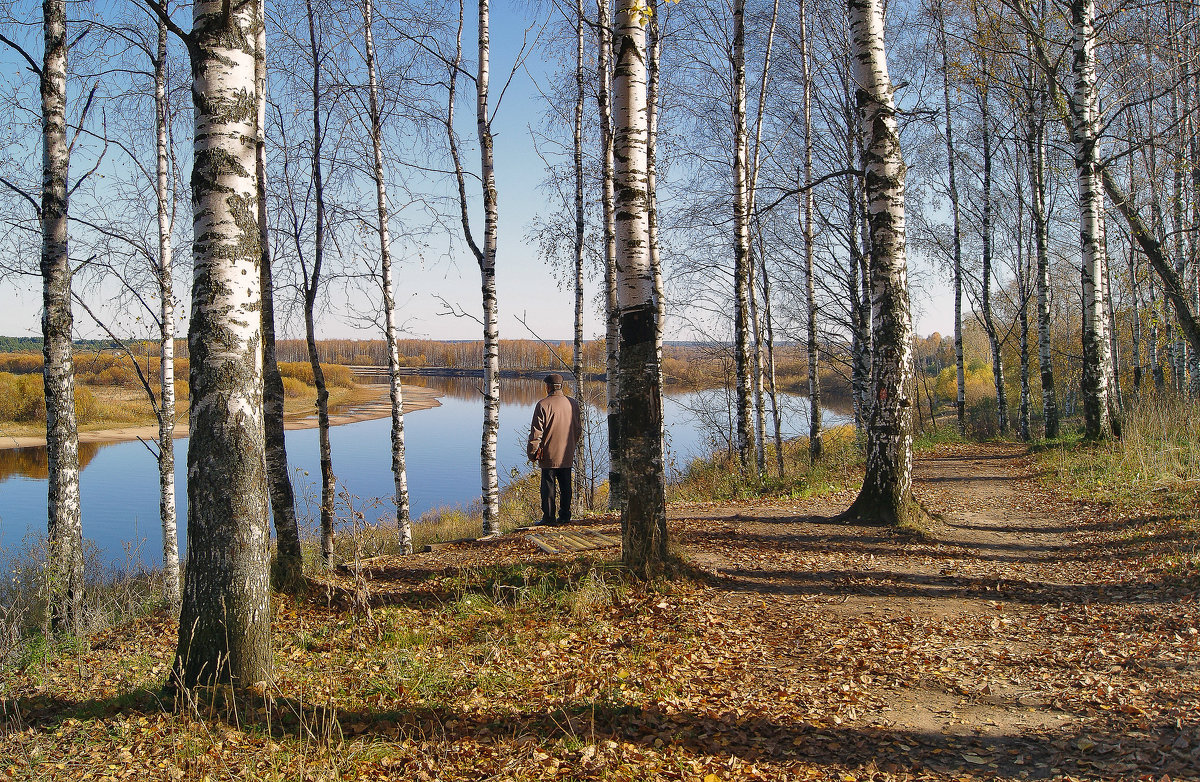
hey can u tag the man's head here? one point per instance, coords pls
(554, 382)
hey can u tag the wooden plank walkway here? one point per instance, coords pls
(566, 542)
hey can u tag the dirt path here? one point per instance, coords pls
(1023, 638)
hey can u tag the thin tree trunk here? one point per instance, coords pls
(395, 388)
(577, 138)
(1035, 142)
(287, 569)
(989, 322)
(772, 389)
(643, 520)
(224, 626)
(806, 218)
(612, 338)
(485, 256)
(166, 335)
(487, 269)
(886, 495)
(741, 239)
(960, 400)
(1023, 410)
(312, 284)
(64, 526)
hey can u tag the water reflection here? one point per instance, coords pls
(513, 390)
(31, 462)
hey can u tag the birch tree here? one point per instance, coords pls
(64, 576)
(485, 254)
(224, 627)
(886, 495)
(741, 238)
(643, 518)
(395, 389)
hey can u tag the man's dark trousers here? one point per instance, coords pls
(562, 477)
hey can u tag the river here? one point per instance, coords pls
(119, 481)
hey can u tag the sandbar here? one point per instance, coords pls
(377, 406)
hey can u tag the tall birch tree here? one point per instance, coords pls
(485, 255)
(643, 518)
(395, 389)
(886, 495)
(224, 627)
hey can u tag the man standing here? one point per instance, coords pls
(552, 436)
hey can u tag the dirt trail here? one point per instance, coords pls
(1022, 638)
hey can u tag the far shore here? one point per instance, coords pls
(377, 406)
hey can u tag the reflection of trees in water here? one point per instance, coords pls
(516, 391)
(31, 462)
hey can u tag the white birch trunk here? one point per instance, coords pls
(224, 627)
(395, 389)
(1096, 384)
(886, 495)
(643, 519)
(1035, 142)
(64, 526)
(989, 322)
(487, 268)
(580, 232)
(166, 337)
(741, 240)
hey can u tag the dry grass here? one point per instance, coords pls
(719, 478)
(1156, 462)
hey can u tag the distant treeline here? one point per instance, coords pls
(692, 364)
(25, 344)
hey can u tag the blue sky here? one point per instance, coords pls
(528, 291)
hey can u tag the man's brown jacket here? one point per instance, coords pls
(554, 431)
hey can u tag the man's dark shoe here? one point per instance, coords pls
(543, 523)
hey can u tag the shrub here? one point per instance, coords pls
(335, 374)
(295, 389)
(20, 363)
(21, 398)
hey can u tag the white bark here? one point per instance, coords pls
(886, 494)
(1097, 380)
(643, 519)
(312, 287)
(960, 401)
(806, 220)
(64, 526)
(224, 628)
(395, 389)
(487, 268)
(166, 407)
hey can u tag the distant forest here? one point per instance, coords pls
(26, 344)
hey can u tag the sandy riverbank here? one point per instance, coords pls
(376, 406)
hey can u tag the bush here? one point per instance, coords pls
(22, 398)
(20, 363)
(295, 389)
(335, 374)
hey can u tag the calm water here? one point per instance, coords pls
(119, 481)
